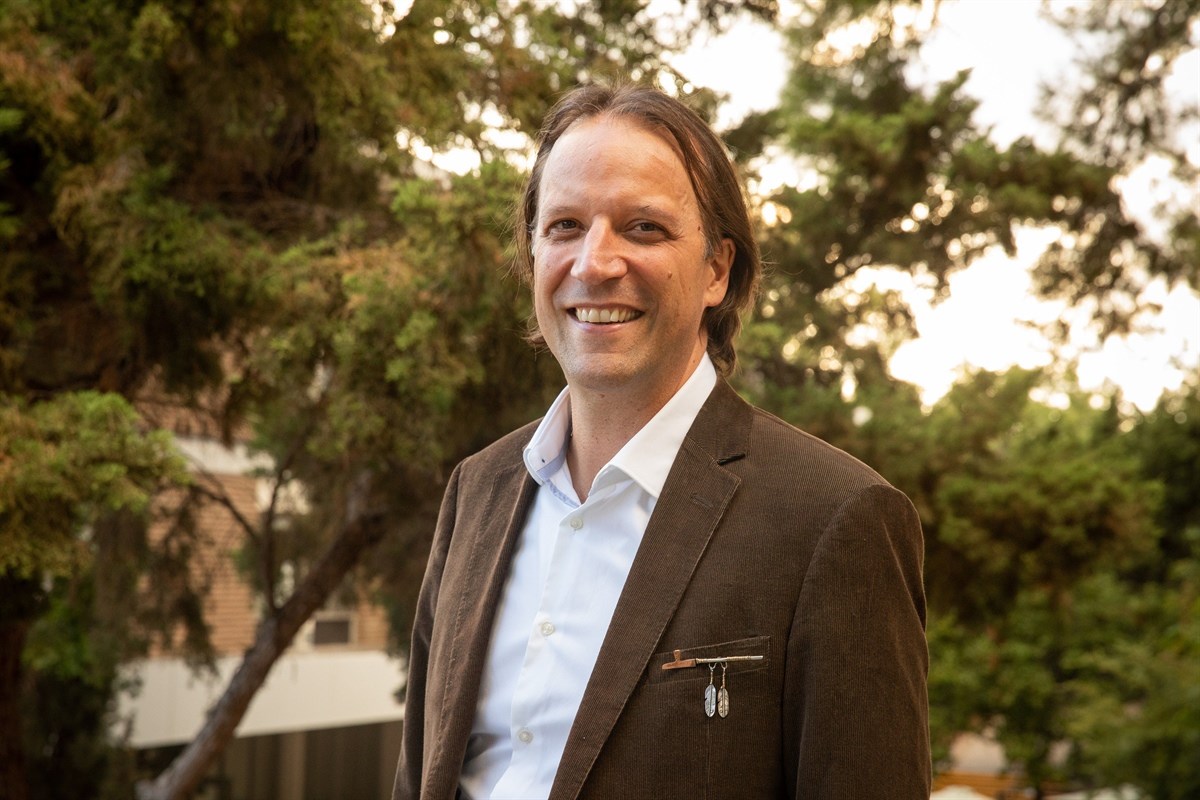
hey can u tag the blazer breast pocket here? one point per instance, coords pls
(708, 725)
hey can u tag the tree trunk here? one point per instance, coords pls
(361, 530)
(13, 784)
(21, 601)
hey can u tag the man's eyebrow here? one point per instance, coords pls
(660, 212)
(554, 209)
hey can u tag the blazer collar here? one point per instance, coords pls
(694, 499)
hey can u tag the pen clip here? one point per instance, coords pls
(680, 662)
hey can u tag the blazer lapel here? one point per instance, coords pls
(476, 597)
(692, 504)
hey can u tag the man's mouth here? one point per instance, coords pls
(605, 316)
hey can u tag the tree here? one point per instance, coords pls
(1050, 507)
(1035, 518)
(1145, 733)
(1121, 116)
(900, 176)
(66, 462)
(219, 207)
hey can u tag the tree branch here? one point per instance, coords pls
(222, 499)
(362, 527)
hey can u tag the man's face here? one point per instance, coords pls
(621, 276)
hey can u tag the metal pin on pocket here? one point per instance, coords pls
(680, 662)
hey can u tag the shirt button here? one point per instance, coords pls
(525, 735)
(547, 628)
(576, 523)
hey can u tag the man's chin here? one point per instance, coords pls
(598, 372)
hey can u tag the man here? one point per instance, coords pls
(659, 590)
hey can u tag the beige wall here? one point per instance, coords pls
(315, 690)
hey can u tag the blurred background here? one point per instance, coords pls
(255, 303)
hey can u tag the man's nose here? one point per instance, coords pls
(600, 258)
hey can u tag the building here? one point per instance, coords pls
(326, 724)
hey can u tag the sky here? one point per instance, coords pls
(990, 318)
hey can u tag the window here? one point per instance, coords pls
(332, 627)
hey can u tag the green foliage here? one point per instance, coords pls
(956, 682)
(67, 702)
(215, 208)
(1052, 501)
(1123, 115)
(10, 119)
(1061, 634)
(1056, 538)
(79, 478)
(1053, 518)
(63, 464)
(1167, 442)
(1136, 716)
(899, 175)
(1060, 568)
(1105, 667)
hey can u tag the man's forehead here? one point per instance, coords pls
(621, 120)
(565, 155)
(657, 130)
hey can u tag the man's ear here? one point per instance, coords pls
(721, 262)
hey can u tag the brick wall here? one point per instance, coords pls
(233, 607)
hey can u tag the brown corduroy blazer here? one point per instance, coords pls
(765, 541)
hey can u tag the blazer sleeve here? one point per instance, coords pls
(412, 746)
(857, 661)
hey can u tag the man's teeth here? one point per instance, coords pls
(602, 316)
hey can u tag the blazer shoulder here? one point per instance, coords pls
(773, 454)
(804, 456)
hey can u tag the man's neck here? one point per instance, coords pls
(602, 422)
(597, 436)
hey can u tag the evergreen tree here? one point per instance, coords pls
(227, 208)
(1046, 541)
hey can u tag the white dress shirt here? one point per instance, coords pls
(569, 567)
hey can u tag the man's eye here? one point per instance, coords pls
(563, 225)
(647, 227)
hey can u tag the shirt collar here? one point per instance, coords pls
(546, 452)
(647, 457)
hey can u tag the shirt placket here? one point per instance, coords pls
(534, 699)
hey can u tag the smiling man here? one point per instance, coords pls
(659, 590)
